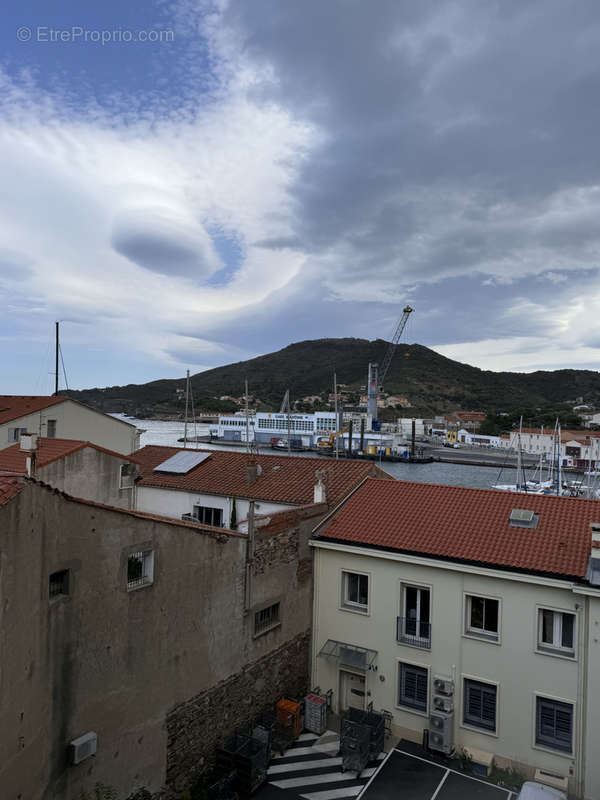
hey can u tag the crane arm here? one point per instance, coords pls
(389, 353)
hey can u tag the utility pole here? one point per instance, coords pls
(56, 362)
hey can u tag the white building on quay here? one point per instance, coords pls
(262, 427)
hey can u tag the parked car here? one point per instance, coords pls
(538, 791)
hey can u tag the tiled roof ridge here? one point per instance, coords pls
(53, 400)
(78, 444)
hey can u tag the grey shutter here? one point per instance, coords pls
(554, 724)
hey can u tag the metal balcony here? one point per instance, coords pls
(413, 632)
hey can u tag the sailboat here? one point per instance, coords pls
(551, 485)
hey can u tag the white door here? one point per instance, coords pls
(352, 690)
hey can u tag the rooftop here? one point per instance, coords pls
(15, 406)
(13, 459)
(468, 525)
(284, 479)
(9, 488)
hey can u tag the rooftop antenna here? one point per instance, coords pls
(56, 361)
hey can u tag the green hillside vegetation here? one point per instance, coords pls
(432, 383)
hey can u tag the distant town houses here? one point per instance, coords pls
(469, 420)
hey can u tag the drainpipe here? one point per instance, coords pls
(582, 683)
(249, 559)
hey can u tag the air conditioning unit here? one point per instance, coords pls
(443, 686)
(441, 732)
(83, 747)
(442, 703)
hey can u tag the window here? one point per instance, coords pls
(413, 683)
(14, 434)
(209, 516)
(554, 724)
(51, 428)
(556, 631)
(414, 627)
(355, 591)
(482, 617)
(126, 476)
(58, 584)
(479, 705)
(140, 569)
(266, 619)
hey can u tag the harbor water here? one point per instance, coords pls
(168, 434)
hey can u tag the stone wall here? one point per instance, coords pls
(198, 726)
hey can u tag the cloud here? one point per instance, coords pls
(304, 170)
(155, 240)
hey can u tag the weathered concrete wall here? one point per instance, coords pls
(91, 474)
(120, 662)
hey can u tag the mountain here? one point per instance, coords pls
(431, 382)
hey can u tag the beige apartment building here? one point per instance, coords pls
(468, 614)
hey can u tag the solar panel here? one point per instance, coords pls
(182, 463)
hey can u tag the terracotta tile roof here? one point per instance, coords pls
(468, 525)
(284, 479)
(13, 459)
(14, 406)
(9, 488)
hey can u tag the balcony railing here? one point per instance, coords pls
(413, 632)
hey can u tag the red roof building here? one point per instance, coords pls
(468, 525)
(289, 480)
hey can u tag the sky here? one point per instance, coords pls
(192, 183)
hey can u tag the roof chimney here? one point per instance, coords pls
(253, 472)
(29, 444)
(320, 495)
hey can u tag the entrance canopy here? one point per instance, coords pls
(349, 655)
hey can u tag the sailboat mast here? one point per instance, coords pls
(56, 361)
(247, 419)
(337, 454)
(187, 399)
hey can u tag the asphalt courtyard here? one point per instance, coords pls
(404, 775)
(310, 770)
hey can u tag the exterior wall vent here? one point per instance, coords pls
(552, 779)
(83, 747)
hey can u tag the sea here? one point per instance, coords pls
(168, 434)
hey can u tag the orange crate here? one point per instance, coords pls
(288, 714)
